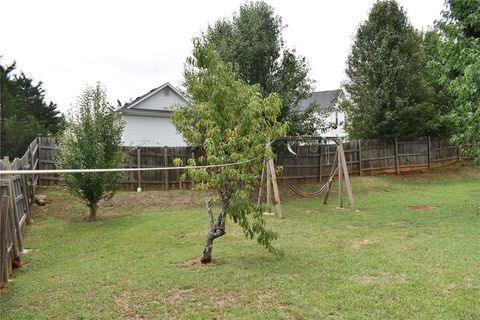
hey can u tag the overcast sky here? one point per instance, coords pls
(134, 46)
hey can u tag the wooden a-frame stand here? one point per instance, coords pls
(341, 166)
(268, 172)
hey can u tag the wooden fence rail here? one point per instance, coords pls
(366, 157)
(312, 162)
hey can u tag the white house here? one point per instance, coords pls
(327, 104)
(148, 118)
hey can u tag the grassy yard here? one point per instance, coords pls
(411, 252)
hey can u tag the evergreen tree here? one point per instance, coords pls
(252, 42)
(24, 113)
(388, 85)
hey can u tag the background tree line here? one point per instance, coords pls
(24, 112)
(402, 82)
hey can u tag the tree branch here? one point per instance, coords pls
(210, 213)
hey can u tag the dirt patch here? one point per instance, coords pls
(420, 207)
(227, 299)
(179, 295)
(195, 262)
(310, 212)
(384, 278)
(357, 244)
(221, 299)
(124, 303)
(60, 204)
(264, 298)
(165, 199)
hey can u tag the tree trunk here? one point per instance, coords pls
(93, 212)
(217, 229)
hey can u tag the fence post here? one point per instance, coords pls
(4, 259)
(397, 165)
(429, 150)
(139, 176)
(192, 180)
(320, 165)
(39, 151)
(166, 165)
(15, 231)
(360, 164)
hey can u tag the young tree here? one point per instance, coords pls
(252, 42)
(388, 88)
(232, 123)
(24, 112)
(460, 69)
(93, 139)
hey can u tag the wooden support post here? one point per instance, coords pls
(39, 152)
(332, 170)
(262, 182)
(269, 188)
(429, 150)
(346, 176)
(320, 161)
(275, 189)
(31, 177)
(192, 181)
(166, 165)
(397, 164)
(139, 173)
(340, 173)
(360, 161)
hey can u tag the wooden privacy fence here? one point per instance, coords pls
(313, 160)
(16, 196)
(365, 157)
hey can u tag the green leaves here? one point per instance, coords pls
(251, 43)
(231, 122)
(460, 65)
(24, 112)
(390, 88)
(92, 140)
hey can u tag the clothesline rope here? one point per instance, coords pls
(60, 171)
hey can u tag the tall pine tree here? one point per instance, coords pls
(24, 112)
(388, 85)
(252, 43)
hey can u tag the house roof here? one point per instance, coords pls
(127, 107)
(322, 99)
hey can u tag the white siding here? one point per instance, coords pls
(150, 131)
(164, 99)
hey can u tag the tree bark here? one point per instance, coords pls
(93, 212)
(216, 230)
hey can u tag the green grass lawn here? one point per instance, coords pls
(411, 252)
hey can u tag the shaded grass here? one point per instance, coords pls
(387, 261)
